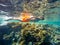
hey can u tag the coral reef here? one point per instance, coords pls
(31, 34)
(36, 7)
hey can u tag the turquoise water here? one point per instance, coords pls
(52, 18)
(54, 15)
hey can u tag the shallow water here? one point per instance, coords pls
(52, 17)
(49, 18)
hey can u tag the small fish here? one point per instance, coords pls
(25, 17)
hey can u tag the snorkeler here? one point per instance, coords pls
(26, 17)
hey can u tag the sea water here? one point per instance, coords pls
(49, 19)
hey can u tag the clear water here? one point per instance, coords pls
(51, 18)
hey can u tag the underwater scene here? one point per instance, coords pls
(29, 22)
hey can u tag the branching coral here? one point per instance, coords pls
(26, 33)
(33, 34)
(36, 7)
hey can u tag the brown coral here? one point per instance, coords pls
(26, 33)
(30, 33)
